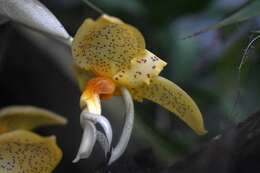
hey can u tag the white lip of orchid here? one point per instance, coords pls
(90, 135)
(91, 115)
(88, 141)
(101, 120)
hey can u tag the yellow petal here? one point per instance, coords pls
(106, 45)
(27, 117)
(143, 67)
(25, 152)
(173, 98)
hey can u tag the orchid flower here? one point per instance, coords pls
(111, 59)
(25, 151)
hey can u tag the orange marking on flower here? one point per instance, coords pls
(103, 86)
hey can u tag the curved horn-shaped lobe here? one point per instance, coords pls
(127, 129)
(28, 118)
(106, 45)
(101, 120)
(173, 98)
(24, 151)
(87, 142)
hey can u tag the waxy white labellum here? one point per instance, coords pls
(88, 141)
(101, 120)
(34, 15)
(90, 134)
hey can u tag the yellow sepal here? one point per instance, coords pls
(24, 151)
(28, 118)
(106, 45)
(173, 98)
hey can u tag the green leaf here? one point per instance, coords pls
(250, 10)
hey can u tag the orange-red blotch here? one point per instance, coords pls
(103, 86)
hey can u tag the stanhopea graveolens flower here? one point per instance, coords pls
(111, 59)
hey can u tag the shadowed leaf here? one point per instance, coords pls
(35, 15)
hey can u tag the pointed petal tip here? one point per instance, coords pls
(177, 101)
(201, 132)
(77, 158)
(88, 141)
(200, 129)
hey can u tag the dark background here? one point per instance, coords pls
(36, 70)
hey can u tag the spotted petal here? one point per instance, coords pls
(173, 98)
(27, 117)
(143, 67)
(106, 45)
(24, 151)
